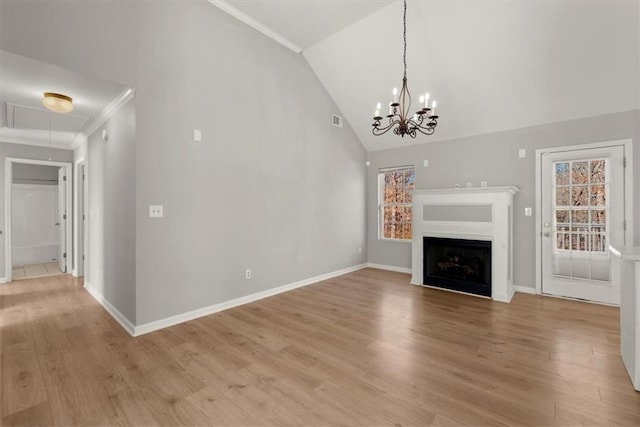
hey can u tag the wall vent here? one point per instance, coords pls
(336, 120)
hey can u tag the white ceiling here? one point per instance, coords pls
(306, 22)
(491, 65)
(23, 82)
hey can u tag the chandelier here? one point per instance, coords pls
(423, 120)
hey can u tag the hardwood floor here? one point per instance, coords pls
(366, 348)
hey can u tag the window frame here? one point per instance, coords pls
(382, 205)
(578, 253)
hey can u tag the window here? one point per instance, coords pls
(581, 206)
(395, 202)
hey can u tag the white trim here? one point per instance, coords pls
(114, 312)
(525, 290)
(389, 267)
(627, 145)
(205, 311)
(39, 138)
(76, 218)
(3, 280)
(243, 17)
(8, 194)
(104, 115)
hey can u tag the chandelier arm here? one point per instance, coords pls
(429, 128)
(381, 131)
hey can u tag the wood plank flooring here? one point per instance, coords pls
(362, 349)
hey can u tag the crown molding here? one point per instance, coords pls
(40, 138)
(243, 17)
(101, 118)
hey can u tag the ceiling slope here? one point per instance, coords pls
(302, 22)
(492, 66)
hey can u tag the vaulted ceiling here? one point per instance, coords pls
(491, 65)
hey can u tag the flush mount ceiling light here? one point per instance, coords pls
(400, 120)
(57, 102)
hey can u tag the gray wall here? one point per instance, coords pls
(273, 187)
(494, 158)
(35, 174)
(111, 265)
(24, 152)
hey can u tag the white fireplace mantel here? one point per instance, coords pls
(468, 213)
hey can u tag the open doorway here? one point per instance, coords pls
(38, 213)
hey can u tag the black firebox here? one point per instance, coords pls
(458, 264)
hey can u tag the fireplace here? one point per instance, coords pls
(483, 215)
(458, 264)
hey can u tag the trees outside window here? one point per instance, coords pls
(395, 202)
(581, 206)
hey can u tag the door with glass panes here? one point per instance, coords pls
(582, 213)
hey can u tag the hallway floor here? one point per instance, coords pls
(35, 270)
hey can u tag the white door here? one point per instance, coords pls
(62, 219)
(582, 213)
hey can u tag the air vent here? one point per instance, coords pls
(336, 120)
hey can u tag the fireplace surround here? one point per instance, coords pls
(472, 214)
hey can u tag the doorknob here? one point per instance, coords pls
(547, 234)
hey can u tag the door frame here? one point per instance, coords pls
(79, 209)
(627, 145)
(8, 201)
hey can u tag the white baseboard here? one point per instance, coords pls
(114, 312)
(389, 268)
(525, 289)
(3, 280)
(205, 311)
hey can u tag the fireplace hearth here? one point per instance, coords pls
(458, 264)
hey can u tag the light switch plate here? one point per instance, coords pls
(197, 135)
(527, 212)
(155, 211)
(522, 153)
(425, 163)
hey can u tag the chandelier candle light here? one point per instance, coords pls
(424, 120)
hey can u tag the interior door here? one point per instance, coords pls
(62, 220)
(582, 213)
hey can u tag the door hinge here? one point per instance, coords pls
(64, 178)
(624, 225)
(64, 216)
(624, 162)
(64, 255)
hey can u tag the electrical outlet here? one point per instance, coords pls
(155, 211)
(247, 274)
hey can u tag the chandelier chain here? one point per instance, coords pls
(404, 35)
